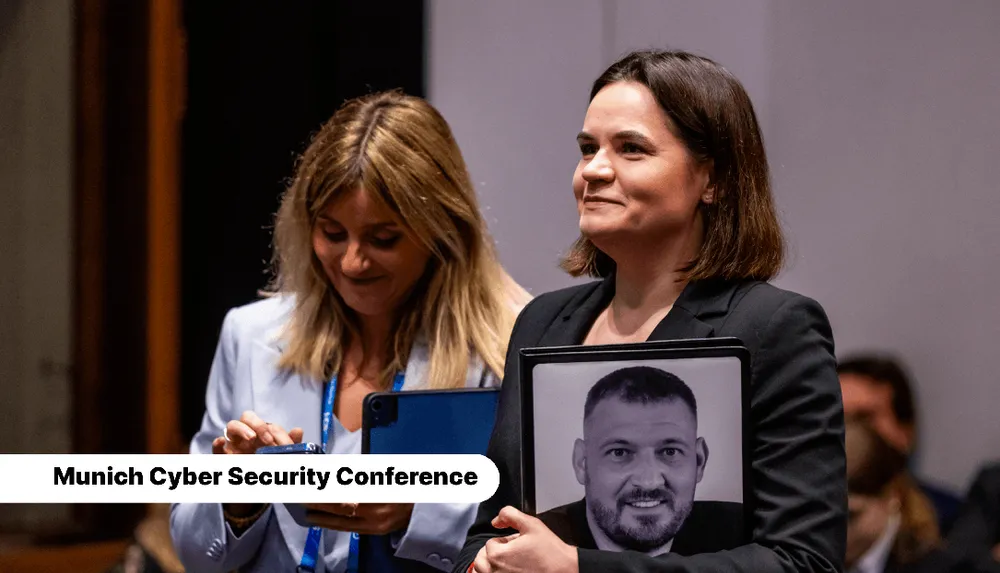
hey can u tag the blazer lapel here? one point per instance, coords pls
(697, 303)
(284, 398)
(418, 364)
(679, 324)
(688, 318)
(289, 400)
(575, 319)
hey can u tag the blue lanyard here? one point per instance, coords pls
(311, 552)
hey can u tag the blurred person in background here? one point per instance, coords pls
(878, 389)
(386, 277)
(976, 530)
(890, 528)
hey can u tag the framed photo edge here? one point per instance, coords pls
(652, 350)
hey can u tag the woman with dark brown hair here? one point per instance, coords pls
(678, 223)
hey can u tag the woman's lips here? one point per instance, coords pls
(599, 199)
(363, 281)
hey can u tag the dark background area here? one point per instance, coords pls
(259, 78)
(262, 77)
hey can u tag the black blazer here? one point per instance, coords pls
(711, 526)
(977, 528)
(798, 462)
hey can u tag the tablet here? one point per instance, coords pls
(456, 421)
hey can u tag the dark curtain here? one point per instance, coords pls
(262, 77)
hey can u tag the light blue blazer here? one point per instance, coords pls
(244, 377)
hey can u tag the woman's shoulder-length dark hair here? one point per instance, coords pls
(711, 113)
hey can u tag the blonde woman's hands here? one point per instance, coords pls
(362, 518)
(250, 432)
(244, 436)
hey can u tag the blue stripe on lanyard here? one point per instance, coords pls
(311, 552)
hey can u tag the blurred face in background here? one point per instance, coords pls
(874, 471)
(369, 257)
(867, 399)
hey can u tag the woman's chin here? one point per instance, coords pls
(366, 307)
(599, 228)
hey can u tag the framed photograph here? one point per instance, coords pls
(640, 447)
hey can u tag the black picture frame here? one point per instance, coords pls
(529, 358)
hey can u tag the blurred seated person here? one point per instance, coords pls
(878, 389)
(891, 528)
(977, 528)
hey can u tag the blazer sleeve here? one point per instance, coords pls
(505, 444)
(977, 528)
(437, 531)
(203, 539)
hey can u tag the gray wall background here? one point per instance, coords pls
(882, 122)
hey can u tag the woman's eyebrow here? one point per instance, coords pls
(633, 135)
(376, 226)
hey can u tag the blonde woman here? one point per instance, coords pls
(386, 278)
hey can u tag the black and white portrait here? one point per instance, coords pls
(640, 455)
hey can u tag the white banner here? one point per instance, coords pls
(302, 478)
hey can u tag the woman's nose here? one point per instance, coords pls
(354, 263)
(598, 169)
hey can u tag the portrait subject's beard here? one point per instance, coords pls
(651, 530)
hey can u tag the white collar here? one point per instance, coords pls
(604, 543)
(875, 559)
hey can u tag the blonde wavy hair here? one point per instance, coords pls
(401, 151)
